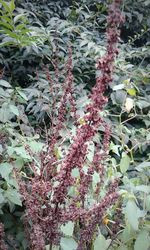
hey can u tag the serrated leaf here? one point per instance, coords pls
(36, 146)
(124, 163)
(83, 43)
(21, 28)
(10, 150)
(143, 188)
(68, 228)
(14, 109)
(132, 214)
(5, 114)
(91, 45)
(143, 241)
(101, 243)
(6, 25)
(68, 244)
(5, 170)
(114, 148)
(22, 94)
(143, 165)
(128, 233)
(6, 6)
(5, 84)
(142, 104)
(10, 33)
(13, 183)
(17, 17)
(12, 5)
(22, 152)
(13, 196)
(19, 163)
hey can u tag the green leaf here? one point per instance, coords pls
(13, 183)
(58, 153)
(101, 243)
(21, 27)
(1, 196)
(90, 153)
(12, 5)
(95, 179)
(5, 170)
(143, 165)
(5, 84)
(10, 33)
(71, 191)
(6, 18)
(143, 188)
(75, 173)
(132, 214)
(13, 196)
(10, 150)
(147, 203)
(128, 233)
(131, 91)
(91, 45)
(4, 113)
(22, 94)
(19, 163)
(68, 228)
(14, 109)
(22, 152)
(114, 148)
(68, 244)
(18, 17)
(143, 241)
(36, 146)
(10, 42)
(118, 86)
(148, 137)
(124, 163)
(83, 43)
(5, 5)
(122, 248)
(6, 25)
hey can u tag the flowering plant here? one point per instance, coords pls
(67, 196)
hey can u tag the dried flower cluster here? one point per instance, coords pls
(58, 122)
(46, 196)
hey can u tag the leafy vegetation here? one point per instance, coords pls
(35, 66)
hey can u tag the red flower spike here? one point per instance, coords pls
(46, 198)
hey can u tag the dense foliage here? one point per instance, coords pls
(61, 183)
